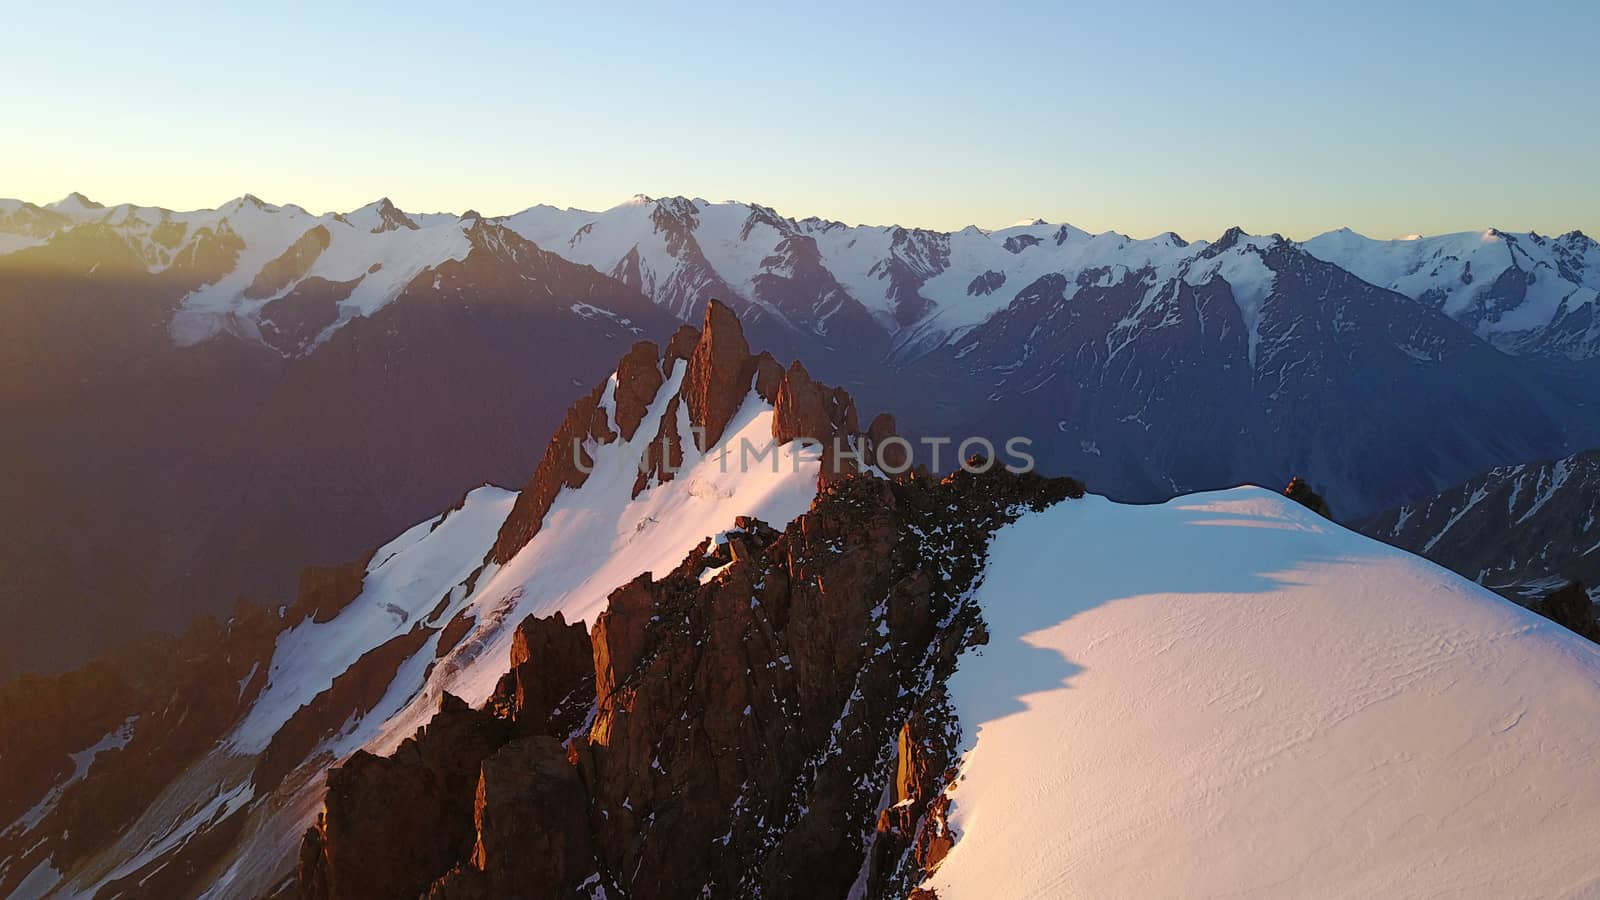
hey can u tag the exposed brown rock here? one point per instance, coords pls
(1571, 607)
(326, 590)
(393, 825)
(532, 818)
(639, 379)
(551, 681)
(452, 633)
(925, 753)
(391, 218)
(717, 700)
(212, 253)
(311, 871)
(619, 635)
(1300, 492)
(803, 408)
(768, 376)
(808, 409)
(291, 265)
(680, 346)
(712, 389)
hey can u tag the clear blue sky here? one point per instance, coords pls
(1292, 117)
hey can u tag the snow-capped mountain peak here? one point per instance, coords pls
(74, 204)
(379, 216)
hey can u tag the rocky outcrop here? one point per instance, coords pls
(457, 628)
(680, 346)
(664, 455)
(709, 390)
(913, 826)
(768, 377)
(291, 265)
(806, 409)
(326, 590)
(819, 644)
(639, 379)
(391, 218)
(1300, 492)
(768, 719)
(532, 819)
(551, 682)
(210, 254)
(393, 825)
(1571, 607)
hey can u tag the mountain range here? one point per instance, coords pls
(651, 672)
(205, 401)
(1522, 530)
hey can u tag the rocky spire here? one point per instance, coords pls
(720, 374)
(711, 387)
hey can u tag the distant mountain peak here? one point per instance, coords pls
(1226, 242)
(74, 202)
(381, 215)
(244, 202)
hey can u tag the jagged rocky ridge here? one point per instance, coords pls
(768, 720)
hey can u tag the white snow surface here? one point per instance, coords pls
(11, 243)
(1456, 271)
(1227, 695)
(405, 581)
(40, 881)
(381, 264)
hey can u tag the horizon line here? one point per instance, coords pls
(640, 199)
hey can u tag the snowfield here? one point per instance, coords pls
(1227, 695)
